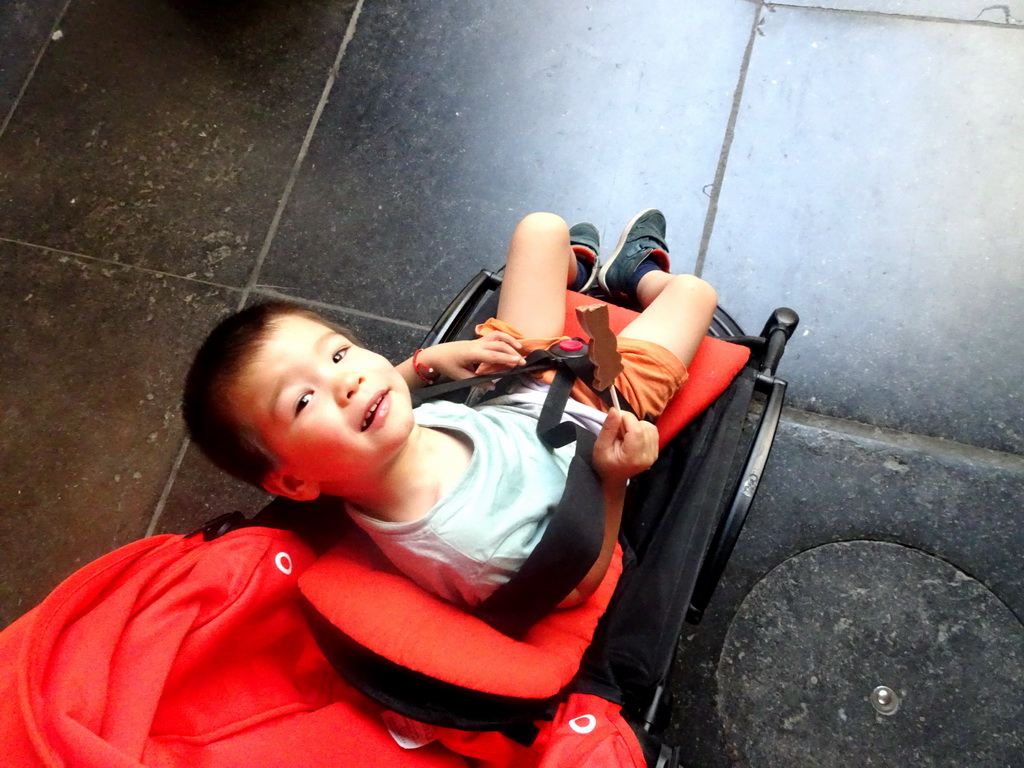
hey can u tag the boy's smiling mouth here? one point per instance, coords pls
(377, 408)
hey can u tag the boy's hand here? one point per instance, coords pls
(625, 447)
(497, 351)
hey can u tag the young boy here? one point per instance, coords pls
(456, 497)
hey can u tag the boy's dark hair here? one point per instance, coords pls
(232, 445)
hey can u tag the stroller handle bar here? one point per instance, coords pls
(777, 331)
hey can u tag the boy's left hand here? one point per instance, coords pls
(496, 351)
(625, 447)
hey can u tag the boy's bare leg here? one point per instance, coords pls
(532, 297)
(678, 310)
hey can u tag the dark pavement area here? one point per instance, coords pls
(165, 162)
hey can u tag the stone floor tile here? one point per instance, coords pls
(25, 26)
(164, 133)
(450, 121)
(865, 190)
(202, 492)
(91, 368)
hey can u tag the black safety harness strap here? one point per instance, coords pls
(541, 360)
(565, 553)
(569, 366)
(574, 535)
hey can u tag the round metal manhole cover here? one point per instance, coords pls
(872, 654)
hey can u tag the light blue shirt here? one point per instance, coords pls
(480, 533)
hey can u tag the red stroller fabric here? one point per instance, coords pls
(587, 732)
(175, 652)
(361, 594)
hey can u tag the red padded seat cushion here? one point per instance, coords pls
(355, 588)
(712, 369)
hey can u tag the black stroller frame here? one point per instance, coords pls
(682, 520)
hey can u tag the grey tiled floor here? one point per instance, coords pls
(164, 161)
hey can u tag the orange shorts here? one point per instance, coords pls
(650, 378)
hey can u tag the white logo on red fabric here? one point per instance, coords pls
(284, 563)
(408, 734)
(583, 723)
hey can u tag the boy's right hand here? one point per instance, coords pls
(495, 351)
(625, 447)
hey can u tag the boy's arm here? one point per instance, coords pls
(459, 359)
(408, 371)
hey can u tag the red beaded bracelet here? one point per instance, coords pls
(429, 375)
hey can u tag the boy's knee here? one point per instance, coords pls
(696, 290)
(543, 222)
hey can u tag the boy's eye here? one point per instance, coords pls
(303, 402)
(340, 355)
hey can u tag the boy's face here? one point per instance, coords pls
(329, 410)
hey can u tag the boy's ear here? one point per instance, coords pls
(283, 484)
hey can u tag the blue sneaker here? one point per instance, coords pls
(643, 239)
(586, 242)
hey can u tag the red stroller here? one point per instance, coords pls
(221, 650)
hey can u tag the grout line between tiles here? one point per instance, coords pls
(1009, 23)
(158, 511)
(935, 446)
(263, 290)
(35, 65)
(723, 157)
(112, 263)
(268, 240)
(300, 158)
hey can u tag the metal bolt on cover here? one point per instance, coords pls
(884, 700)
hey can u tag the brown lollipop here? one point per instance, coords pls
(603, 349)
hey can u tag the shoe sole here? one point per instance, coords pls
(597, 262)
(602, 273)
(592, 279)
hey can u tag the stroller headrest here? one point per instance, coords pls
(360, 593)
